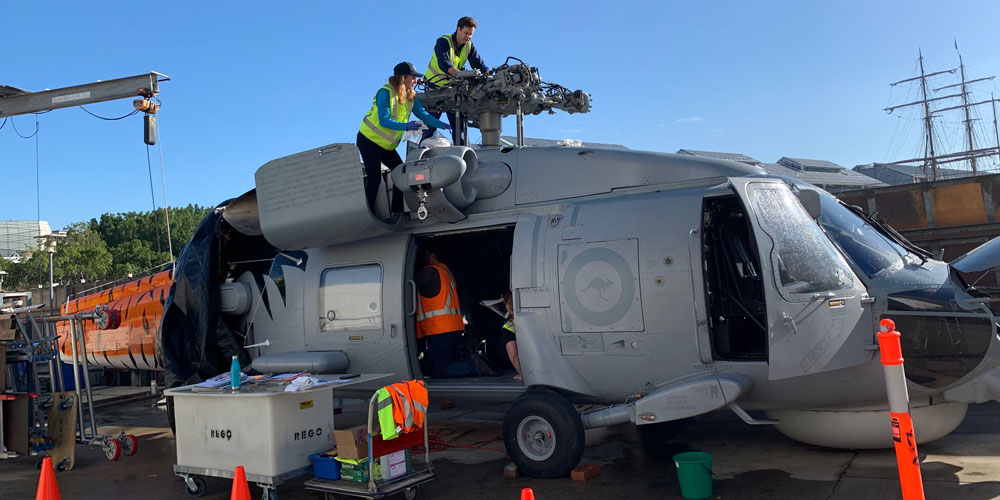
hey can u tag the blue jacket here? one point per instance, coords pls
(384, 119)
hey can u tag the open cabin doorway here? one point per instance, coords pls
(479, 260)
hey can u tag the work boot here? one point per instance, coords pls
(484, 366)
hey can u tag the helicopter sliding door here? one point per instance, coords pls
(358, 307)
(817, 318)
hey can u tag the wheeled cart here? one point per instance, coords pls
(375, 487)
(269, 432)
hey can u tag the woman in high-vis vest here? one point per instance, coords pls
(383, 127)
(509, 340)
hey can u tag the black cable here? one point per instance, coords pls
(149, 166)
(4, 122)
(134, 111)
(19, 133)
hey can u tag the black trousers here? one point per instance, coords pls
(373, 156)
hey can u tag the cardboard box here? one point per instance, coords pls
(352, 443)
(15, 425)
(8, 327)
(395, 465)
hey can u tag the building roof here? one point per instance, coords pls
(740, 157)
(912, 171)
(843, 177)
(810, 165)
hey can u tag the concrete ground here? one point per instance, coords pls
(750, 462)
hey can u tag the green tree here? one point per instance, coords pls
(82, 255)
(111, 246)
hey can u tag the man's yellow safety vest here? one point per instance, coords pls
(434, 74)
(386, 138)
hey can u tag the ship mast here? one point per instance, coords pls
(930, 158)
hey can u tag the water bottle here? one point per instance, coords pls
(235, 376)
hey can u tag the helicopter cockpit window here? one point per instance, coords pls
(350, 298)
(871, 251)
(803, 259)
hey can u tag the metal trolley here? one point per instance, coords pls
(213, 436)
(375, 487)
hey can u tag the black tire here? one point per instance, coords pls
(199, 487)
(543, 434)
(410, 493)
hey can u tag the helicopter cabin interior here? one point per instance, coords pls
(479, 260)
(734, 285)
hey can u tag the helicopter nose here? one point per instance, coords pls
(943, 334)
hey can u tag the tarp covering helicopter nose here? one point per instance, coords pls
(194, 342)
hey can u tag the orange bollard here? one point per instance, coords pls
(527, 494)
(241, 491)
(47, 488)
(899, 412)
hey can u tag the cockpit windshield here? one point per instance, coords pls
(872, 252)
(803, 260)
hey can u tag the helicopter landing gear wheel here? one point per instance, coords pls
(543, 434)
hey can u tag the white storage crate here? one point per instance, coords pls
(269, 433)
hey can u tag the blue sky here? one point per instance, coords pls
(252, 81)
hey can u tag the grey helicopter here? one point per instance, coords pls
(649, 287)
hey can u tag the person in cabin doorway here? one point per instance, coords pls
(439, 321)
(383, 127)
(451, 51)
(509, 340)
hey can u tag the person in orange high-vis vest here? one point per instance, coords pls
(439, 319)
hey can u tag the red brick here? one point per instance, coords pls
(585, 472)
(510, 471)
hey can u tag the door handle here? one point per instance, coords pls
(413, 296)
(789, 323)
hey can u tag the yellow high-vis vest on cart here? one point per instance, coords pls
(401, 407)
(386, 138)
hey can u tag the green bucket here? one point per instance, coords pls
(694, 470)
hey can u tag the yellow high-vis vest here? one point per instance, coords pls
(386, 138)
(434, 74)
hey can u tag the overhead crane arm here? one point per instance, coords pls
(19, 102)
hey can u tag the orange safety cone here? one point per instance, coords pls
(527, 494)
(241, 491)
(47, 489)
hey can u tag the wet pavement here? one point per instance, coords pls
(750, 462)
